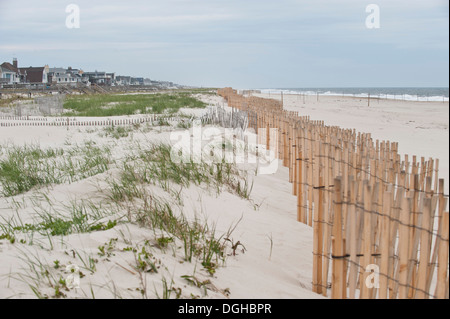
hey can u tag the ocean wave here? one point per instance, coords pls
(379, 95)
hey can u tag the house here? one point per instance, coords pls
(74, 71)
(111, 78)
(123, 80)
(63, 76)
(137, 81)
(10, 72)
(34, 74)
(2, 80)
(97, 77)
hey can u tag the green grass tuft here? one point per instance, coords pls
(115, 105)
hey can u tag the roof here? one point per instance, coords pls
(33, 69)
(9, 67)
(57, 70)
(65, 75)
(95, 73)
(33, 74)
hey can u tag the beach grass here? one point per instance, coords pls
(154, 165)
(133, 188)
(28, 166)
(117, 104)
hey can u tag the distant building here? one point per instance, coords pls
(123, 80)
(64, 76)
(111, 78)
(34, 74)
(74, 71)
(137, 81)
(10, 72)
(1, 76)
(100, 77)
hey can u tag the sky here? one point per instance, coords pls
(237, 43)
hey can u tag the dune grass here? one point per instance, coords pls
(129, 194)
(24, 167)
(115, 104)
(153, 165)
(76, 218)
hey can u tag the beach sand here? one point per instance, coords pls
(272, 258)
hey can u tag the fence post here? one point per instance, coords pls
(299, 188)
(328, 220)
(367, 239)
(339, 285)
(441, 208)
(425, 243)
(317, 236)
(403, 247)
(384, 244)
(442, 277)
(353, 237)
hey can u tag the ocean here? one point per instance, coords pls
(431, 94)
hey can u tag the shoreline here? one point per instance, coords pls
(364, 95)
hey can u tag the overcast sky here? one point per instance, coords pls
(238, 43)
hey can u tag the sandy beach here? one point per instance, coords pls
(268, 253)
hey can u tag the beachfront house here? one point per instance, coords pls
(123, 80)
(111, 78)
(137, 81)
(2, 80)
(99, 77)
(34, 75)
(10, 72)
(64, 76)
(76, 74)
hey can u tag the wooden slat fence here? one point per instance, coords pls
(381, 228)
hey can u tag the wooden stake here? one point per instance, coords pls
(421, 292)
(339, 287)
(367, 259)
(442, 277)
(299, 188)
(353, 239)
(403, 249)
(441, 210)
(385, 242)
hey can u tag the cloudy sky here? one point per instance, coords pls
(239, 43)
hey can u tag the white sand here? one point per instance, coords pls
(277, 261)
